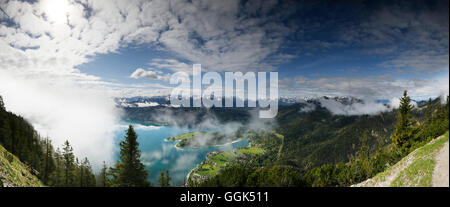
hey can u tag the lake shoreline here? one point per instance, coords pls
(154, 143)
(206, 156)
(215, 145)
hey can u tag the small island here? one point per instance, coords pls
(202, 139)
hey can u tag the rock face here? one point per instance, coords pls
(14, 173)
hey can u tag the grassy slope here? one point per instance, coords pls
(214, 163)
(13, 173)
(416, 169)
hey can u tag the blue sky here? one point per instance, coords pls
(394, 45)
(315, 40)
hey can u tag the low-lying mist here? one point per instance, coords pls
(63, 111)
(209, 121)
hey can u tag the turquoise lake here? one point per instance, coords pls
(158, 154)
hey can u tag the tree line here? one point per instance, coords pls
(52, 167)
(409, 134)
(61, 168)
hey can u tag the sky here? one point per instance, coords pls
(67, 58)
(357, 47)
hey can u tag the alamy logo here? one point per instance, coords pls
(208, 91)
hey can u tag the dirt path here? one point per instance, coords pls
(440, 174)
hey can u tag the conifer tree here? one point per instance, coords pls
(130, 170)
(49, 162)
(88, 177)
(80, 173)
(5, 129)
(168, 178)
(429, 112)
(56, 178)
(69, 165)
(103, 176)
(161, 179)
(164, 179)
(404, 129)
(2, 104)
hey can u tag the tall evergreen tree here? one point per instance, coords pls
(5, 129)
(130, 170)
(56, 177)
(164, 179)
(80, 173)
(168, 178)
(88, 177)
(103, 176)
(404, 129)
(2, 104)
(69, 165)
(161, 179)
(49, 162)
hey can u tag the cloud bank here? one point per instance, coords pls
(64, 111)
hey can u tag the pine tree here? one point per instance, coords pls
(5, 129)
(364, 156)
(69, 165)
(49, 162)
(2, 104)
(56, 177)
(80, 169)
(161, 179)
(87, 177)
(130, 170)
(164, 179)
(167, 178)
(103, 176)
(429, 112)
(404, 129)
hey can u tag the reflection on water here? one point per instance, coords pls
(158, 154)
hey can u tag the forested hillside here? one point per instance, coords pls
(321, 149)
(27, 157)
(52, 167)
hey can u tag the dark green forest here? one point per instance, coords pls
(321, 149)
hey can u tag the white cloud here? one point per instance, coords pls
(366, 107)
(395, 103)
(63, 111)
(366, 88)
(308, 108)
(171, 64)
(141, 73)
